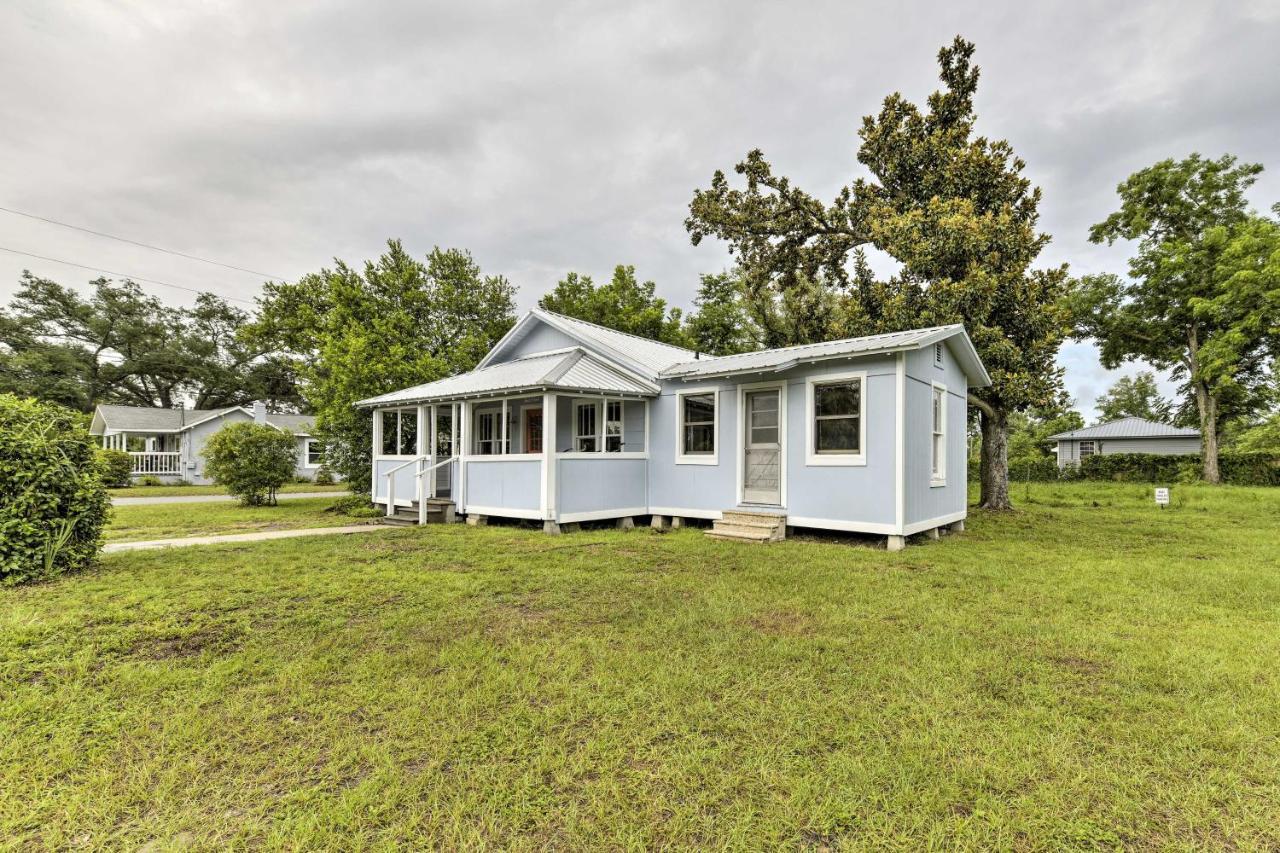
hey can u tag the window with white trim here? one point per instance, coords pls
(584, 428)
(938, 466)
(314, 453)
(487, 443)
(837, 417)
(1087, 448)
(613, 427)
(697, 420)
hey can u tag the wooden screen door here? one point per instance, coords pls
(533, 430)
(762, 445)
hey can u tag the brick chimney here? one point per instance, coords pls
(259, 412)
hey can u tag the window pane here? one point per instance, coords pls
(388, 433)
(937, 411)
(842, 399)
(764, 435)
(699, 408)
(837, 435)
(408, 433)
(587, 444)
(699, 439)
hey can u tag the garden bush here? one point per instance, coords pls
(251, 461)
(53, 504)
(1239, 469)
(116, 467)
(324, 477)
(356, 506)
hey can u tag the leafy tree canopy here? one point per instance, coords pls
(353, 333)
(120, 345)
(953, 208)
(624, 303)
(252, 461)
(1134, 397)
(1203, 292)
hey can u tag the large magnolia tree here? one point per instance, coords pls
(955, 211)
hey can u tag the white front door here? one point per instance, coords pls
(762, 446)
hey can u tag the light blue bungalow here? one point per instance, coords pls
(565, 422)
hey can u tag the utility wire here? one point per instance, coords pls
(142, 245)
(121, 274)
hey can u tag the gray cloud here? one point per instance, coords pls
(548, 137)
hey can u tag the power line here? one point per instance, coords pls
(121, 274)
(142, 245)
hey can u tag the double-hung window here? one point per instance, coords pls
(315, 453)
(938, 465)
(697, 418)
(1087, 448)
(613, 427)
(836, 433)
(584, 428)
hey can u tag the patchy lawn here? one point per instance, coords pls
(1086, 672)
(177, 491)
(169, 521)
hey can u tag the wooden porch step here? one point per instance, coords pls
(439, 510)
(746, 526)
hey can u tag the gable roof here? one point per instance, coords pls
(640, 355)
(147, 419)
(784, 358)
(1131, 427)
(570, 369)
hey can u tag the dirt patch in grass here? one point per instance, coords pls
(1080, 665)
(219, 639)
(782, 623)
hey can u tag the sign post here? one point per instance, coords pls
(1162, 497)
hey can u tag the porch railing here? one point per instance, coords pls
(422, 489)
(157, 463)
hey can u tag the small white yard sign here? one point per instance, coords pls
(1162, 498)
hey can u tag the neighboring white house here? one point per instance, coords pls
(565, 421)
(1127, 435)
(167, 443)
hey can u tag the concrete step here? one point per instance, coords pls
(750, 526)
(753, 519)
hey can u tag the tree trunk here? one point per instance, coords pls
(994, 465)
(1207, 406)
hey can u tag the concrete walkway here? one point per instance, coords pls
(261, 536)
(208, 499)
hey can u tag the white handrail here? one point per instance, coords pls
(422, 504)
(391, 483)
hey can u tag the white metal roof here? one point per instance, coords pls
(571, 369)
(1129, 428)
(641, 355)
(784, 358)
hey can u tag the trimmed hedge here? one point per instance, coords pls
(1240, 469)
(53, 504)
(117, 468)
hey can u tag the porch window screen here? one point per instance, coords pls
(837, 416)
(584, 428)
(486, 433)
(408, 433)
(939, 468)
(699, 417)
(390, 433)
(613, 427)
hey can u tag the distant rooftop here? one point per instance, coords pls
(1129, 428)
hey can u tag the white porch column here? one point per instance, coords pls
(433, 443)
(462, 451)
(377, 448)
(601, 415)
(549, 459)
(502, 435)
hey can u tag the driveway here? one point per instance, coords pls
(209, 499)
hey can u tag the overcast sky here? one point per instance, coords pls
(545, 137)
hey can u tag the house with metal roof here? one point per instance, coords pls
(1126, 435)
(565, 422)
(167, 443)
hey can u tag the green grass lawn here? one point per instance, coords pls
(1086, 672)
(176, 491)
(168, 521)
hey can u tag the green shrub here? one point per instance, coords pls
(149, 480)
(356, 506)
(251, 461)
(1240, 469)
(53, 504)
(116, 467)
(324, 477)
